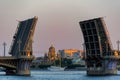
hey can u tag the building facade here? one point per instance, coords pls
(70, 53)
(51, 53)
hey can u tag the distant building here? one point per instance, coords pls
(51, 53)
(70, 53)
(46, 56)
(40, 61)
(73, 54)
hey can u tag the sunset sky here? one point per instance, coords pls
(58, 22)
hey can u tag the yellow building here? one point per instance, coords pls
(51, 53)
(69, 53)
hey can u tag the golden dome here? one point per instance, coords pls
(51, 47)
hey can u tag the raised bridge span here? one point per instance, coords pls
(21, 49)
(100, 57)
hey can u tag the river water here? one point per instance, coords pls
(64, 75)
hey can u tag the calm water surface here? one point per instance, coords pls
(64, 75)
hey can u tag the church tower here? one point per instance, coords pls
(51, 53)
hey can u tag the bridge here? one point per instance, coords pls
(21, 49)
(100, 57)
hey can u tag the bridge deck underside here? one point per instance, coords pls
(23, 36)
(96, 38)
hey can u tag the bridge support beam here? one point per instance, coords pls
(23, 67)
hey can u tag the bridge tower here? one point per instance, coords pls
(100, 58)
(21, 47)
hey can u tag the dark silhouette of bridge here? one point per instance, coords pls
(21, 49)
(100, 57)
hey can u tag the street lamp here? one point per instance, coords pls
(118, 42)
(4, 45)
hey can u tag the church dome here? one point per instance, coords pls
(51, 47)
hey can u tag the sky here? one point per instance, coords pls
(58, 21)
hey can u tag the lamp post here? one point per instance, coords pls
(118, 42)
(4, 45)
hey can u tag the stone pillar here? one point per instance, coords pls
(108, 68)
(23, 65)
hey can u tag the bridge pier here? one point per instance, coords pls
(23, 67)
(106, 67)
(101, 72)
